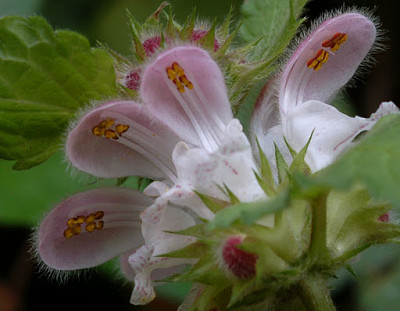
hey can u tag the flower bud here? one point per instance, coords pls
(239, 262)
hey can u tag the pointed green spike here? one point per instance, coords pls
(194, 250)
(227, 43)
(171, 30)
(291, 150)
(187, 28)
(232, 197)
(280, 164)
(299, 163)
(135, 32)
(264, 186)
(208, 40)
(266, 172)
(213, 204)
(223, 31)
(195, 231)
(154, 18)
(352, 272)
(162, 41)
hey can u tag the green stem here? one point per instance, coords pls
(318, 247)
(315, 294)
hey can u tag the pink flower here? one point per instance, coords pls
(183, 136)
(321, 65)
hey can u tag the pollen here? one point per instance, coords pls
(107, 129)
(92, 221)
(335, 42)
(317, 62)
(177, 75)
(121, 128)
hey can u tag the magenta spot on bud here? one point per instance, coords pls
(197, 34)
(151, 45)
(132, 80)
(384, 217)
(241, 263)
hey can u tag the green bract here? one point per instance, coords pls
(46, 77)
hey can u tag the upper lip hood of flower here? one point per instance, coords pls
(322, 64)
(301, 83)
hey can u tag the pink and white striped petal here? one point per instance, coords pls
(186, 88)
(326, 60)
(121, 139)
(92, 227)
(334, 131)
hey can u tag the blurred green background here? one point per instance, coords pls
(25, 196)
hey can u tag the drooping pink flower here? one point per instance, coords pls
(321, 65)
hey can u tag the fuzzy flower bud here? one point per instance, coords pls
(239, 262)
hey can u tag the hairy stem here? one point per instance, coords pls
(318, 247)
(315, 295)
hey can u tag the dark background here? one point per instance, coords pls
(23, 194)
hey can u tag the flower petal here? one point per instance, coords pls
(162, 217)
(186, 88)
(334, 131)
(91, 228)
(138, 143)
(231, 164)
(142, 263)
(326, 60)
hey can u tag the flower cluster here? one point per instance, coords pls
(183, 135)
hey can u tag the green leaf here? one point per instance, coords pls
(274, 21)
(45, 77)
(248, 213)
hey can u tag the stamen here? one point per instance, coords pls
(317, 62)
(177, 75)
(121, 128)
(74, 224)
(110, 134)
(335, 42)
(105, 129)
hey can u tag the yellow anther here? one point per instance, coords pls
(110, 134)
(121, 128)
(98, 131)
(99, 215)
(99, 225)
(186, 82)
(89, 219)
(106, 123)
(178, 69)
(68, 233)
(317, 62)
(101, 128)
(171, 74)
(71, 231)
(336, 41)
(90, 227)
(92, 221)
(177, 75)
